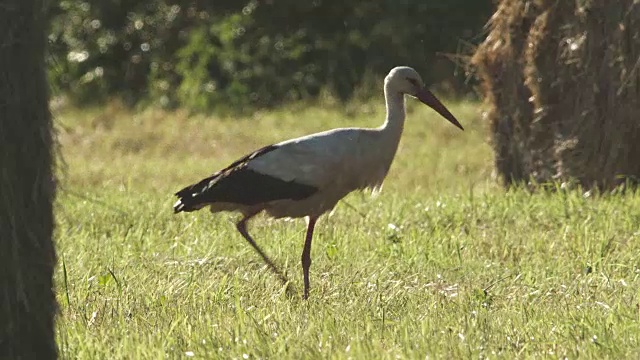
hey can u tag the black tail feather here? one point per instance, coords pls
(189, 198)
(242, 187)
(237, 184)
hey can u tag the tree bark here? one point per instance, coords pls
(27, 186)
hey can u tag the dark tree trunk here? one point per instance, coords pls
(27, 187)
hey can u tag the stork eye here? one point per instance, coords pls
(413, 82)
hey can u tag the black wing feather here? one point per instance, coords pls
(239, 185)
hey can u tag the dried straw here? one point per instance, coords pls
(561, 80)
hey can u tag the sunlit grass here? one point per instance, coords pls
(443, 263)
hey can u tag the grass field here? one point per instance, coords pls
(442, 264)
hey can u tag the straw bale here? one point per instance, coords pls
(561, 82)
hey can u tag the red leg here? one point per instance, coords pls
(306, 255)
(242, 228)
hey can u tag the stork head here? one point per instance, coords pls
(406, 80)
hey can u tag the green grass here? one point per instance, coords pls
(442, 264)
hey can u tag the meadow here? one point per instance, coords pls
(443, 263)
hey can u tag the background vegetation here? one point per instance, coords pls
(232, 54)
(444, 263)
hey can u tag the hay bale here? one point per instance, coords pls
(561, 80)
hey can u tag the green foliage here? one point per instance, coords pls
(205, 54)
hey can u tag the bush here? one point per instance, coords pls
(205, 55)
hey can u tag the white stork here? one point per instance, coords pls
(307, 176)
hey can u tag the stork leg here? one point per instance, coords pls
(242, 228)
(306, 255)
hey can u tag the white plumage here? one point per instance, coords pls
(307, 176)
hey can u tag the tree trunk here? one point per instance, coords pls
(27, 187)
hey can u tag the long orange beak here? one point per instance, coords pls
(429, 99)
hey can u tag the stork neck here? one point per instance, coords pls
(395, 112)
